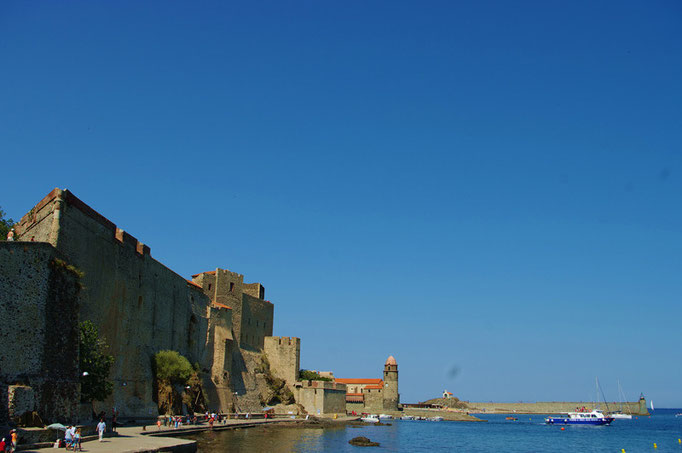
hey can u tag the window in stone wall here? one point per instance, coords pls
(231, 287)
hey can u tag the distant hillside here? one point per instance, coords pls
(452, 402)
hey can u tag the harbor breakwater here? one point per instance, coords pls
(554, 407)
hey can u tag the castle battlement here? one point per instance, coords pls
(29, 228)
(286, 341)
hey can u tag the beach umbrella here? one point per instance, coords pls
(57, 426)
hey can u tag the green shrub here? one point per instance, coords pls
(171, 367)
(307, 375)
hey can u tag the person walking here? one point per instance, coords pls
(101, 428)
(10, 235)
(14, 437)
(77, 440)
(68, 438)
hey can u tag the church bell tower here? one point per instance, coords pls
(390, 391)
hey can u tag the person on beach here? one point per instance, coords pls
(158, 425)
(101, 427)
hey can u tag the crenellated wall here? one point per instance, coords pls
(284, 355)
(139, 305)
(321, 397)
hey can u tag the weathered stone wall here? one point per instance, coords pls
(257, 320)
(39, 305)
(321, 397)
(252, 317)
(139, 305)
(374, 400)
(284, 355)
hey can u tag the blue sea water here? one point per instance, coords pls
(528, 434)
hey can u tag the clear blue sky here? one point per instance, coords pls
(491, 192)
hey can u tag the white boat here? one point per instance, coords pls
(385, 417)
(579, 418)
(652, 405)
(370, 419)
(407, 417)
(437, 418)
(619, 415)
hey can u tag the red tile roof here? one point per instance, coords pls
(194, 284)
(377, 386)
(358, 381)
(207, 272)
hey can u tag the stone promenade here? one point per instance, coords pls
(135, 440)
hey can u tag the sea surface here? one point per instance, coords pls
(528, 434)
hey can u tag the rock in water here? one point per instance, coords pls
(362, 442)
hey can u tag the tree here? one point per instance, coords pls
(5, 225)
(95, 364)
(308, 375)
(172, 368)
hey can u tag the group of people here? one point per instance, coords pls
(72, 438)
(11, 445)
(581, 409)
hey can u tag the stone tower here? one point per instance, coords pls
(390, 391)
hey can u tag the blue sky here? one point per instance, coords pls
(490, 192)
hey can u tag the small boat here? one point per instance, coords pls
(579, 418)
(437, 418)
(511, 418)
(407, 417)
(370, 419)
(385, 417)
(618, 415)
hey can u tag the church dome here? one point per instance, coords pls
(391, 361)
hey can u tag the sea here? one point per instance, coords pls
(661, 432)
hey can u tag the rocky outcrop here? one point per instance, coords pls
(361, 441)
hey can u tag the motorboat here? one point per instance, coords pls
(385, 417)
(511, 418)
(370, 419)
(579, 418)
(437, 418)
(407, 417)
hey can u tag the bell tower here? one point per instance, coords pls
(390, 391)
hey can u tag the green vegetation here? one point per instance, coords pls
(177, 382)
(307, 375)
(94, 364)
(171, 367)
(5, 225)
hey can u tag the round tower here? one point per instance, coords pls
(390, 392)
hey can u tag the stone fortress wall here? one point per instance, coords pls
(553, 407)
(39, 353)
(140, 307)
(284, 355)
(252, 316)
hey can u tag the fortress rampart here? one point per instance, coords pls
(39, 298)
(284, 355)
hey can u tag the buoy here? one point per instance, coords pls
(622, 450)
(655, 446)
(679, 441)
(563, 429)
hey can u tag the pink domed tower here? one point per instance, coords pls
(391, 395)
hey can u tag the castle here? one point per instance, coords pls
(69, 263)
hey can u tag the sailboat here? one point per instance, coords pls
(619, 413)
(652, 405)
